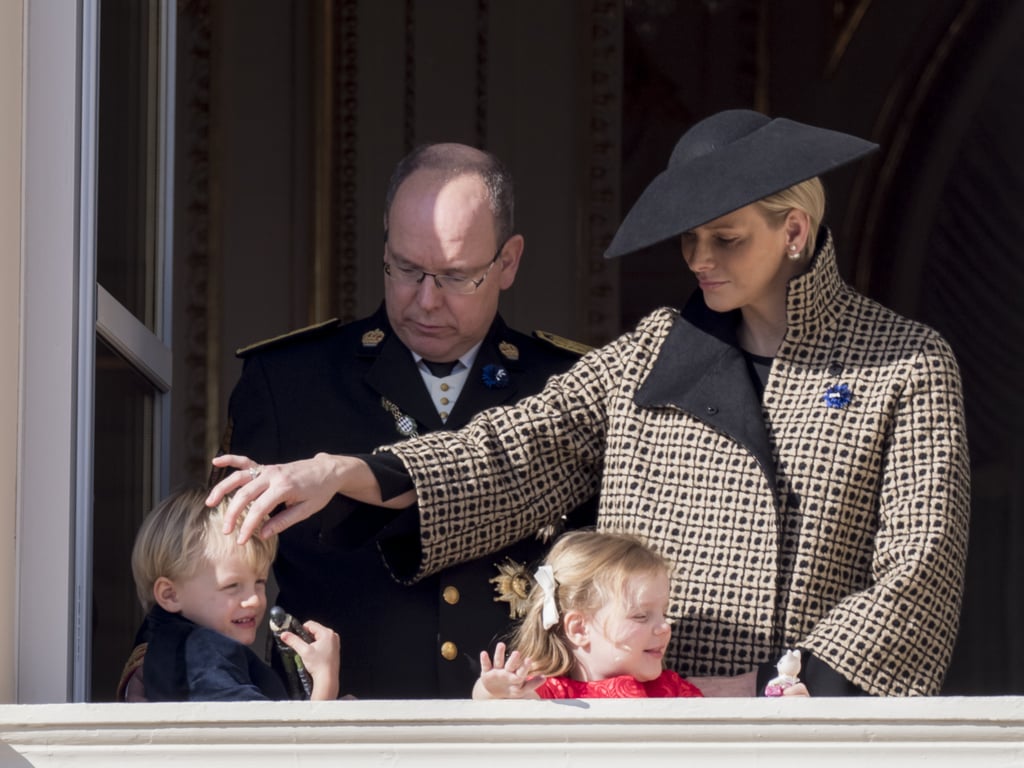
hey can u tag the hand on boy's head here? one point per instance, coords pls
(322, 658)
(300, 486)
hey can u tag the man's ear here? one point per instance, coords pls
(511, 252)
(166, 595)
(577, 629)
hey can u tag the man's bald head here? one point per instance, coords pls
(451, 161)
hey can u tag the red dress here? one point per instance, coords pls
(666, 686)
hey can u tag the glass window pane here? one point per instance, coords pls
(127, 153)
(123, 492)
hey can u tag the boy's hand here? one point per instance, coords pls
(505, 679)
(322, 658)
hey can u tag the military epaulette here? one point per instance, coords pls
(300, 333)
(567, 345)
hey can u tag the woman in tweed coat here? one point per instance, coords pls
(796, 450)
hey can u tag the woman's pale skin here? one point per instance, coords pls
(741, 263)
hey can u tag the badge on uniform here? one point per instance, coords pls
(372, 338)
(513, 584)
(404, 423)
(509, 350)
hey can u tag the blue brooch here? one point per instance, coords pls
(495, 377)
(837, 396)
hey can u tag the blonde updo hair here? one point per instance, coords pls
(807, 196)
(181, 534)
(591, 570)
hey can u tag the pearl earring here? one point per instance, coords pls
(794, 252)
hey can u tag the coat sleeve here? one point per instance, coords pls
(511, 470)
(896, 636)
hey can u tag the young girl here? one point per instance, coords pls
(205, 597)
(595, 627)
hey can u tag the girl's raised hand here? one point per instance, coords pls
(505, 678)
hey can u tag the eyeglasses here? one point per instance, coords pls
(452, 284)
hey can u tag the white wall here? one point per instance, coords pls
(681, 733)
(11, 73)
(47, 434)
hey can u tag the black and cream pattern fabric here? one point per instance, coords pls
(831, 514)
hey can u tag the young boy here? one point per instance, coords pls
(206, 596)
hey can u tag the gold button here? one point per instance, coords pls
(443, 414)
(445, 387)
(444, 401)
(451, 595)
(449, 650)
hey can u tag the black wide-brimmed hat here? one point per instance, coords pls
(727, 161)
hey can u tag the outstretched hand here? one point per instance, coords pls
(303, 487)
(300, 488)
(506, 679)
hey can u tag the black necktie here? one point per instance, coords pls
(440, 370)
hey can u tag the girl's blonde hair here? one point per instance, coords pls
(807, 196)
(591, 570)
(181, 534)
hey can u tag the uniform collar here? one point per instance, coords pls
(475, 395)
(465, 360)
(395, 375)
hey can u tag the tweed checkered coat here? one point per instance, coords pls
(839, 527)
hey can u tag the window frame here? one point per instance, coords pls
(63, 310)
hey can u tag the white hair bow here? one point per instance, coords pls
(545, 577)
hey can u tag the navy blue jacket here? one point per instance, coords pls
(187, 662)
(321, 390)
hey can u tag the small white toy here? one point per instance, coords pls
(789, 673)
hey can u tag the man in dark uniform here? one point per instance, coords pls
(433, 356)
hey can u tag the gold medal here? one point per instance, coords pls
(405, 424)
(513, 585)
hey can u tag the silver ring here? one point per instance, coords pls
(254, 472)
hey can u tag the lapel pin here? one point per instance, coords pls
(837, 396)
(494, 377)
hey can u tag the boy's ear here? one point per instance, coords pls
(166, 594)
(577, 629)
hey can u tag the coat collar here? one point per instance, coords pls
(701, 370)
(818, 297)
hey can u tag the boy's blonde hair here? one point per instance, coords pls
(591, 569)
(807, 196)
(181, 534)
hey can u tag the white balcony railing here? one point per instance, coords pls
(935, 732)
